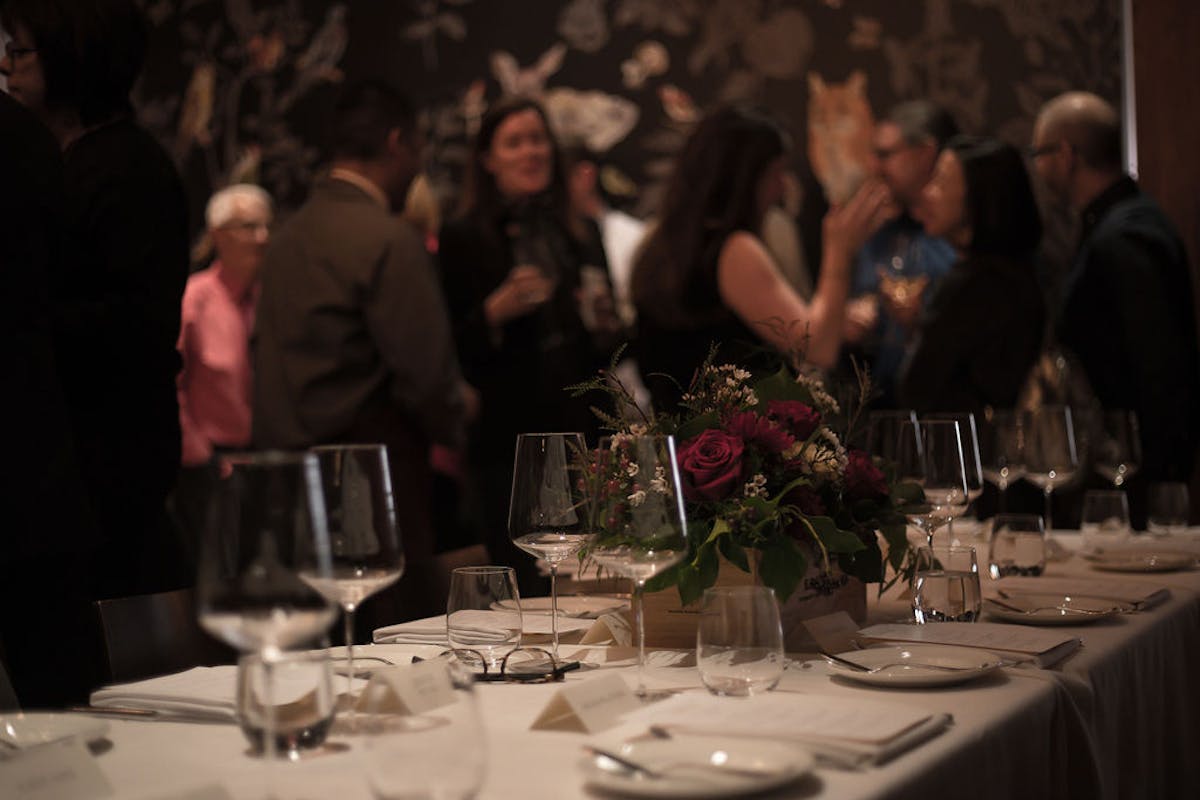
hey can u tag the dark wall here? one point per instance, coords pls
(240, 89)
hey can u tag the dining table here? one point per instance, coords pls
(1118, 718)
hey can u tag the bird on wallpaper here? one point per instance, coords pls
(474, 106)
(197, 110)
(320, 59)
(840, 123)
(526, 81)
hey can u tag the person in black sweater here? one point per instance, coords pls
(117, 297)
(982, 331)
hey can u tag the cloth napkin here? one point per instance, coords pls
(433, 631)
(1142, 594)
(201, 693)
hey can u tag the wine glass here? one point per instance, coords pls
(884, 433)
(1118, 453)
(931, 454)
(1051, 458)
(266, 522)
(545, 515)
(1002, 450)
(971, 457)
(364, 543)
(641, 532)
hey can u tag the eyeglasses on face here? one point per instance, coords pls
(14, 52)
(1037, 151)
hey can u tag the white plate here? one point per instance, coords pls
(581, 606)
(34, 728)
(968, 664)
(701, 766)
(1141, 560)
(1052, 609)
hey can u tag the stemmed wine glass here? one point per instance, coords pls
(640, 533)
(1051, 458)
(546, 516)
(931, 454)
(366, 554)
(1002, 450)
(1118, 453)
(266, 522)
(971, 458)
(884, 433)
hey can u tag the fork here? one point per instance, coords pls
(1035, 609)
(854, 665)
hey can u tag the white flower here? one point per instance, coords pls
(638, 429)
(633, 469)
(822, 399)
(637, 498)
(659, 482)
(756, 487)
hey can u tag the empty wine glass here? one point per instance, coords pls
(1168, 508)
(1118, 451)
(364, 543)
(1051, 458)
(930, 453)
(739, 641)
(971, 457)
(884, 433)
(483, 616)
(266, 522)
(640, 533)
(546, 516)
(1002, 450)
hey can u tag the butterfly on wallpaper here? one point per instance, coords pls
(526, 81)
(650, 59)
(597, 119)
(583, 24)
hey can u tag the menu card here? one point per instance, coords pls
(1043, 647)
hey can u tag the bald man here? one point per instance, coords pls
(1127, 300)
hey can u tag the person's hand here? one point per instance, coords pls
(524, 289)
(846, 227)
(862, 314)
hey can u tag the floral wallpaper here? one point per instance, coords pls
(239, 89)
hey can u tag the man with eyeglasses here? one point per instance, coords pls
(897, 269)
(1127, 309)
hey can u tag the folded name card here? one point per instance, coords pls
(60, 771)
(408, 689)
(588, 706)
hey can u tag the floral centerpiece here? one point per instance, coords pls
(767, 477)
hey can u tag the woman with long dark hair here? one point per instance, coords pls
(983, 328)
(704, 277)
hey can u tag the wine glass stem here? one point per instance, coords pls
(348, 620)
(1003, 487)
(270, 722)
(1049, 521)
(639, 618)
(554, 609)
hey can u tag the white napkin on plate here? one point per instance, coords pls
(201, 693)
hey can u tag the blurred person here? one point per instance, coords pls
(525, 279)
(117, 297)
(352, 343)
(1127, 310)
(214, 386)
(982, 330)
(897, 270)
(704, 276)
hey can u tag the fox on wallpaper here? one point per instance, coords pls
(839, 134)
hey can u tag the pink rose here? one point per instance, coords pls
(750, 427)
(864, 480)
(797, 418)
(711, 465)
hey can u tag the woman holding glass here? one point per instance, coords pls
(525, 283)
(982, 331)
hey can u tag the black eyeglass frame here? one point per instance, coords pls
(556, 673)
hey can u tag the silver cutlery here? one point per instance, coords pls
(628, 765)
(857, 667)
(1124, 607)
(1064, 608)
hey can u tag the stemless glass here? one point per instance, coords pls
(739, 641)
(365, 545)
(947, 585)
(930, 453)
(1002, 450)
(546, 517)
(267, 520)
(1018, 545)
(1051, 458)
(483, 614)
(640, 538)
(302, 702)
(1105, 519)
(1118, 453)
(1168, 507)
(971, 455)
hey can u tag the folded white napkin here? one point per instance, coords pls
(204, 693)
(433, 630)
(1143, 594)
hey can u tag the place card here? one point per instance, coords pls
(58, 771)
(613, 627)
(833, 633)
(408, 688)
(588, 706)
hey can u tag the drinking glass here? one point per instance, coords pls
(364, 543)
(1105, 519)
(1051, 458)
(1118, 450)
(483, 614)
(266, 521)
(884, 431)
(1002, 450)
(546, 517)
(739, 642)
(638, 538)
(435, 752)
(301, 701)
(1168, 508)
(947, 585)
(971, 457)
(931, 453)
(1018, 545)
